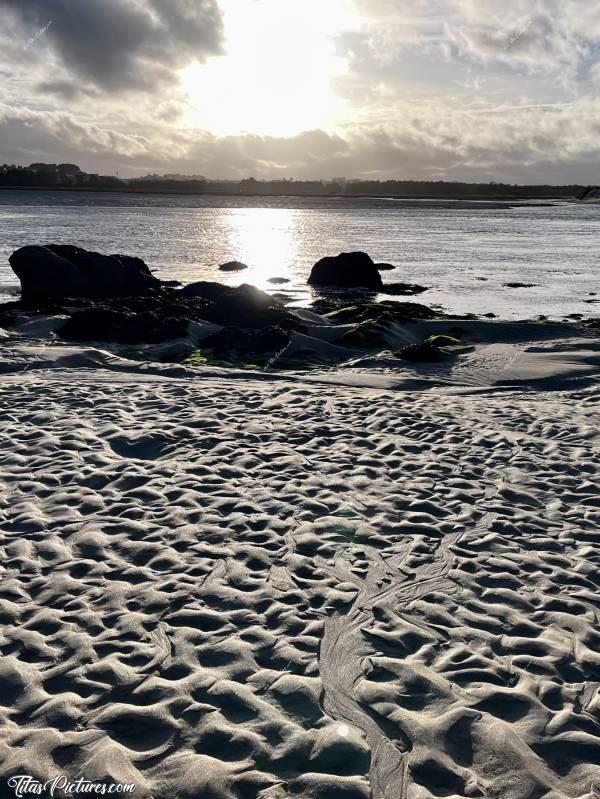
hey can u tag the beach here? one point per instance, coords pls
(299, 399)
(257, 550)
(226, 584)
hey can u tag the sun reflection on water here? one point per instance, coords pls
(266, 239)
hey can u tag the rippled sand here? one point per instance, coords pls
(239, 588)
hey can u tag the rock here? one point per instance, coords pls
(233, 266)
(407, 289)
(278, 280)
(232, 346)
(346, 270)
(39, 326)
(13, 312)
(206, 289)
(443, 340)
(420, 353)
(387, 312)
(105, 324)
(371, 334)
(384, 267)
(245, 306)
(65, 271)
(519, 285)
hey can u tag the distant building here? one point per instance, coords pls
(47, 174)
(69, 169)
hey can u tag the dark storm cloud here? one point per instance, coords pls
(121, 44)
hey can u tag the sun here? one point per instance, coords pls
(278, 74)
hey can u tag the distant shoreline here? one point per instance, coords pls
(493, 202)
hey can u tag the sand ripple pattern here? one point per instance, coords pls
(262, 590)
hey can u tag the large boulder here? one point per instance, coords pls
(346, 270)
(61, 270)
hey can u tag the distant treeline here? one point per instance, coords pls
(69, 176)
(408, 189)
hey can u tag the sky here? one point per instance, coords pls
(473, 90)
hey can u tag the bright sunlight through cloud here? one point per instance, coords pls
(277, 76)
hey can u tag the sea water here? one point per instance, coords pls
(465, 254)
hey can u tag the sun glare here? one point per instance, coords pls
(264, 238)
(277, 76)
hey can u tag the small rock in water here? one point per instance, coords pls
(278, 280)
(403, 289)
(519, 285)
(233, 266)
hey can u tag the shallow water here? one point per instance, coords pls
(464, 254)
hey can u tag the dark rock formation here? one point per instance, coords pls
(247, 306)
(519, 285)
(233, 266)
(366, 335)
(278, 280)
(206, 289)
(65, 271)
(347, 270)
(235, 346)
(116, 299)
(403, 289)
(421, 353)
(104, 324)
(158, 318)
(387, 312)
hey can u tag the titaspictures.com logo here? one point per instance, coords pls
(61, 786)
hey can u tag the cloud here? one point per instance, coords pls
(433, 89)
(118, 45)
(28, 135)
(524, 145)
